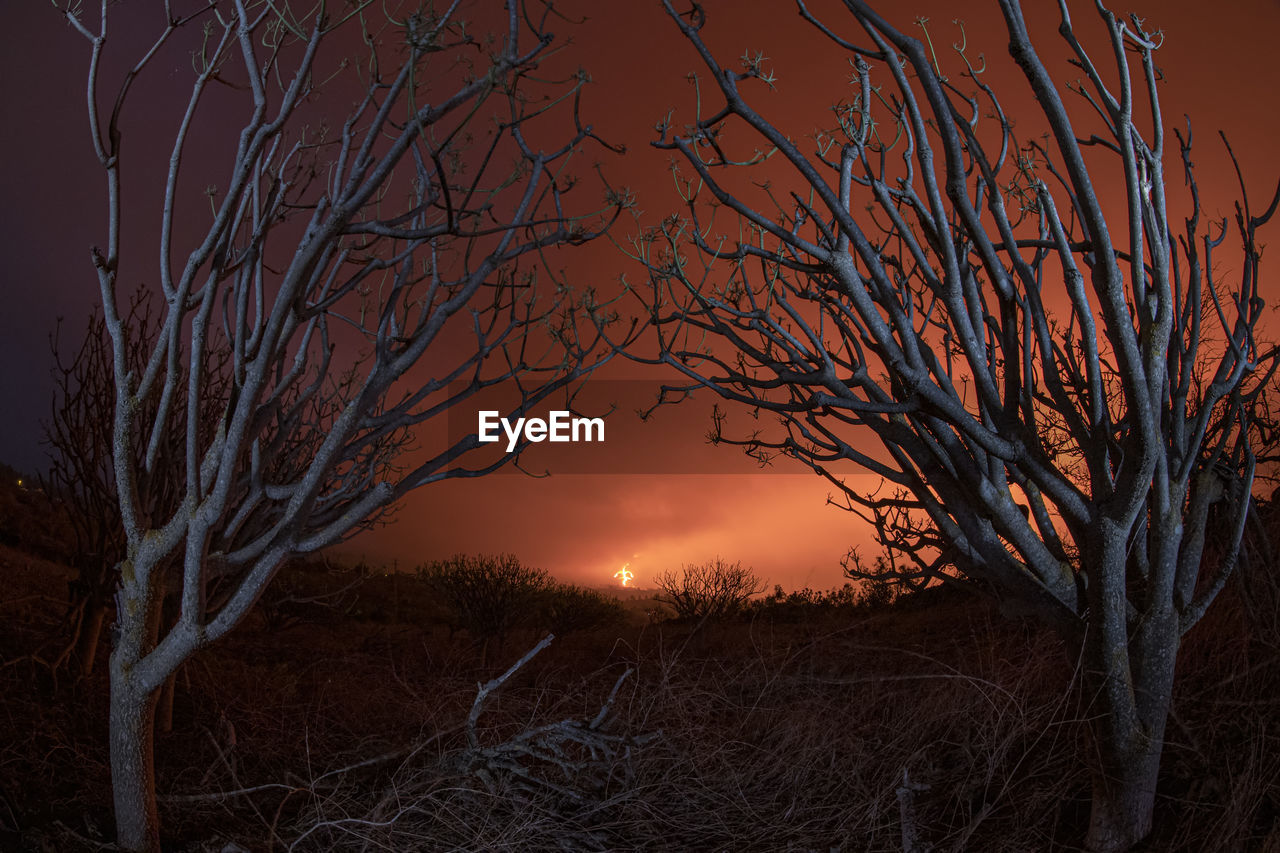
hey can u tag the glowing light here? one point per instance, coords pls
(625, 574)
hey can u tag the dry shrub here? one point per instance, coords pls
(713, 590)
(784, 745)
(567, 608)
(1220, 777)
(486, 596)
(810, 605)
(523, 780)
(53, 753)
(804, 746)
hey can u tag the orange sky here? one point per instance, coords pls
(1220, 69)
(586, 527)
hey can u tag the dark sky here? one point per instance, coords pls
(1220, 64)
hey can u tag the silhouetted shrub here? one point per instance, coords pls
(485, 595)
(878, 592)
(567, 608)
(804, 604)
(712, 590)
(884, 582)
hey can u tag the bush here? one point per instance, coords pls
(485, 595)
(804, 604)
(567, 608)
(712, 590)
(879, 592)
(885, 582)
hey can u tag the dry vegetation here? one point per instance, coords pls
(346, 717)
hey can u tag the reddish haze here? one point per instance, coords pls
(1220, 70)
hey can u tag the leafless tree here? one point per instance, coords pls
(81, 473)
(1048, 374)
(377, 239)
(486, 595)
(78, 435)
(711, 590)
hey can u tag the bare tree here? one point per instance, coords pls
(81, 472)
(712, 590)
(334, 255)
(78, 434)
(486, 595)
(1049, 377)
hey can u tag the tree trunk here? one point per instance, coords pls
(1130, 711)
(90, 633)
(132, 760)
(133, 704)
(164, 712)
(1124, 793)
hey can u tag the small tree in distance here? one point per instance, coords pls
(712, 590)
(1058, 388)
(566, 608)
(486, 595)
(382, 184)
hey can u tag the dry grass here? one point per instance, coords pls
(801, 743)
(341, 732)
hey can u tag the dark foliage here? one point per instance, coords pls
(566, 608)
(484, 595)
(714, 590)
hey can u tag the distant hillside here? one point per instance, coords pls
(625, 593)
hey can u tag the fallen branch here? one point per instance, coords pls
(585, 754)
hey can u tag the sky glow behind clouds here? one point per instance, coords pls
(1219, 67)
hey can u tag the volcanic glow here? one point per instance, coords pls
(625, 574)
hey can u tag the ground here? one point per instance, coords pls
(343, 724)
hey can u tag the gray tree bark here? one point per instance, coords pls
(1054, 388)
(138, 669)
(1129, 706)
(340, 251)
(132, 734)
